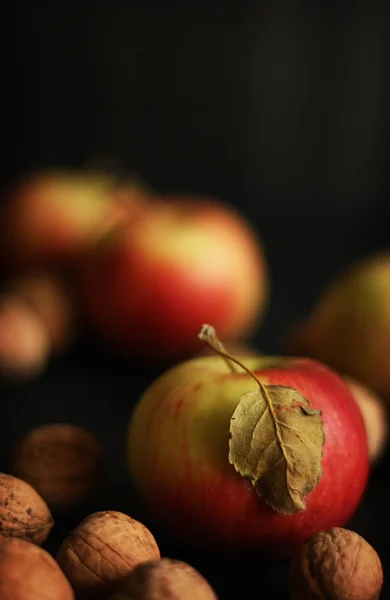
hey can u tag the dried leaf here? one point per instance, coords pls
(276, 441)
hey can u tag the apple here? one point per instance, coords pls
(375, 417)
(178, 455)
(184, 260)
(50, 217)
(349, 327)
(50, 297)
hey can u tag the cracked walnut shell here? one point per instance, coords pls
(164, 579)
(27, 572)
(337, 564)
(23, 513)
(102, 550)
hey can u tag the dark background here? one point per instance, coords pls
(280, 107)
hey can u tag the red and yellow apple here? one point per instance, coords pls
(178, 446)
(53, 216)
(375, 417)
(349, 327)
(183, 261)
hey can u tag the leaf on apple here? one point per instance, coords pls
(276, 441)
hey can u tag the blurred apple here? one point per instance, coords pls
(185, 260)
(24, 341)
(375, 418)
(237, 349)
(51, 299)
(50, 217)
(349, 327)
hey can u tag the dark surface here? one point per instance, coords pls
(97, 390)
(281, 107)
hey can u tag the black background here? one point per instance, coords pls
(280, 107)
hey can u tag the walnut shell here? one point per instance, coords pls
(47, 295)
(103, 549)
(336, 564)
(28, 572)
(164, 579)
(63, 462)
(23, 513)
(24, 341)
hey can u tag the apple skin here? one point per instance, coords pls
(51, 217)
(177, 449)
(184, 261)
(349, 327)
(375, 417)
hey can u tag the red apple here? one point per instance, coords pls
(349, 327)
(53, 216)
(178, 454)
(184, 261)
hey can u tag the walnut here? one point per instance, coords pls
(28, 572)
(24, 341)
(164, 579)
(63, 462)
(23, 513)
(336, 565)
(48, 296)
(374, 416)
(102, 550)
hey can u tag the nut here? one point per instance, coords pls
(23, 513)
(374, 416)
(164, 579)
(24, 341)
(336, 564)
(102, 550)
(62, 462)
(28, 572)
(47, 295)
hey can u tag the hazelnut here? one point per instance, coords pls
(102, 550)
(62, 462)
(374, 416)
(23, 513)
(164, 579)
(28, 572)
(47, 295)
(336, 565)
(24, 341)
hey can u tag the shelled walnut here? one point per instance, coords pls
(337, 564)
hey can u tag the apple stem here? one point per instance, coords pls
(208, 334)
